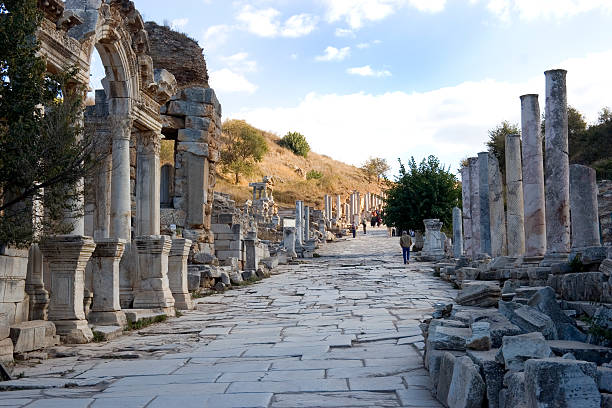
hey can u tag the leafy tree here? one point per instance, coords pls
(497, 142)
(44, 152)
(422, 191)
(375, 167)
(296, 142)
(604, 116)
(245, 147)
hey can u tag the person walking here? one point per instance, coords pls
(364, 223)
(405, 243)
(354, 230)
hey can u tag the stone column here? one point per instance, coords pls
(298, 224)
(533, 178)
(252, 262)
(475, 205)
(121, 213)
(254, 193)
(105, 308)
(102, 197)
(557, 169)
(497, 216)
(338, 207)
(153, 289)
(367, 202)
(323, 231)
(433, 246)
(347, 211)
(34, 285)
(289, 241)
(485, 213)
(584, 207)
(514, 196)
(351, 208)
(177, 273)
(326, 210)
(457, 233)
(306, 223)
(67, 256)
(147, 183)
(467, 211)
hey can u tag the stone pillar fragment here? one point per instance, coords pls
(67, 256)
(557, 169)
(177, 273)
(153, 291)
(533, 178)
(433, 246)
(307, 223)
(499, 245)
(475, 205)
(584, 207)
(338, 207)
(105, 308)
(121, 212)
(148, 180)
(252, 261)
(485, 213)
(35, 286)
(467, 210)
(298, 224)
(514, 196)
(457, 233)
(289, 241)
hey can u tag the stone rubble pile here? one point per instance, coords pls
(532, 323)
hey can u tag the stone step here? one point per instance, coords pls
(33, 335)
(135, 315)
(107, 332)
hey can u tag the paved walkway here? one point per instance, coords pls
(340, 331)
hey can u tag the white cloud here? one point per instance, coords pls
(356, 12)
(368, 44)
(179, 23)
(344, 32)
(546, 9)
(215, 36)
(334, 54)
(299, 25)
(368, 71)
(294, 56)
(239, 62)
(225, 80)
(266, 23)
(450, 123)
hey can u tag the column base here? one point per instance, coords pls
(153, 299)
(553, 259)
(73, 331)
(113, 318)
(183, 301)
(39, 304)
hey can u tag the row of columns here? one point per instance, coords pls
(539, 193)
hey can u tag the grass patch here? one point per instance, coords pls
(179, 313)
(98, 337)
(142, 323)
(196, 295)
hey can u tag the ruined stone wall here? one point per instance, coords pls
(178, 54)
(605, 210)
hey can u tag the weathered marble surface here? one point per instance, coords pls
(485, 210)
(457, 233)
(466, 199)
(475, 204)
(584, 206)
(514, 196)
(497, 215)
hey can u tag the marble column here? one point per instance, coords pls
(35, 286)
(556, 169)
(67, 256)
(289, 241)
(250, 249)
(307, 223)
(177, 273)
(147, 183)
(533, 178)
(102, 197)
(298, 224)
(497, 215)
(433, 246)
(367, 202)
(584, 207)
(338, 207)
(153, 289)
(485, 213)
(121, 213)
(105, 308)
(475, 205)
(514, 196)
(347, 211)
(457, 233)
(352, 209)
(467, 210)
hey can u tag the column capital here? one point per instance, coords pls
(121, 126)
(148, 141)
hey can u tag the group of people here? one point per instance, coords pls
(375, 219)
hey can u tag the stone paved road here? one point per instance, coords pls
(340, 331)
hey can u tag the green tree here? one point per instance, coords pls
(245, 147)
(422, 191)
(605, 115)
(497, 142)
(375, 167)
(296, 142)
(44, 152)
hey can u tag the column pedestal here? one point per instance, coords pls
(177, 273)
(153, 288)
(35, 287)
(67, 256)
(105, 308)
(289, 241)
(252, 262)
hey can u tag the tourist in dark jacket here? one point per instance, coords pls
(405, 243)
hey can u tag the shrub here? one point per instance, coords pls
(314, 174)
(296, 142)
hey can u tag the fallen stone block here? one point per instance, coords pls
(447, 364)
(467, 387)
(514, 394)
(448, 338)
(544, 300)
(6, 351)
(479, 294)
(499, 327)
(492, 373)
(529, 319)
(556, 382)
(593, 255)
(31, 335)
(481, 336)
(606, 400)
(518, 349)
(582, 351)
(604, 379)
(235, 278)
(583, 286)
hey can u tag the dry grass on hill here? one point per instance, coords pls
(290, 184)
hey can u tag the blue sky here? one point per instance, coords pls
(394, 78)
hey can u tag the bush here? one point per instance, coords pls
(314, 175)
(296, 142)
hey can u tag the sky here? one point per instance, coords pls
(393, 78)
